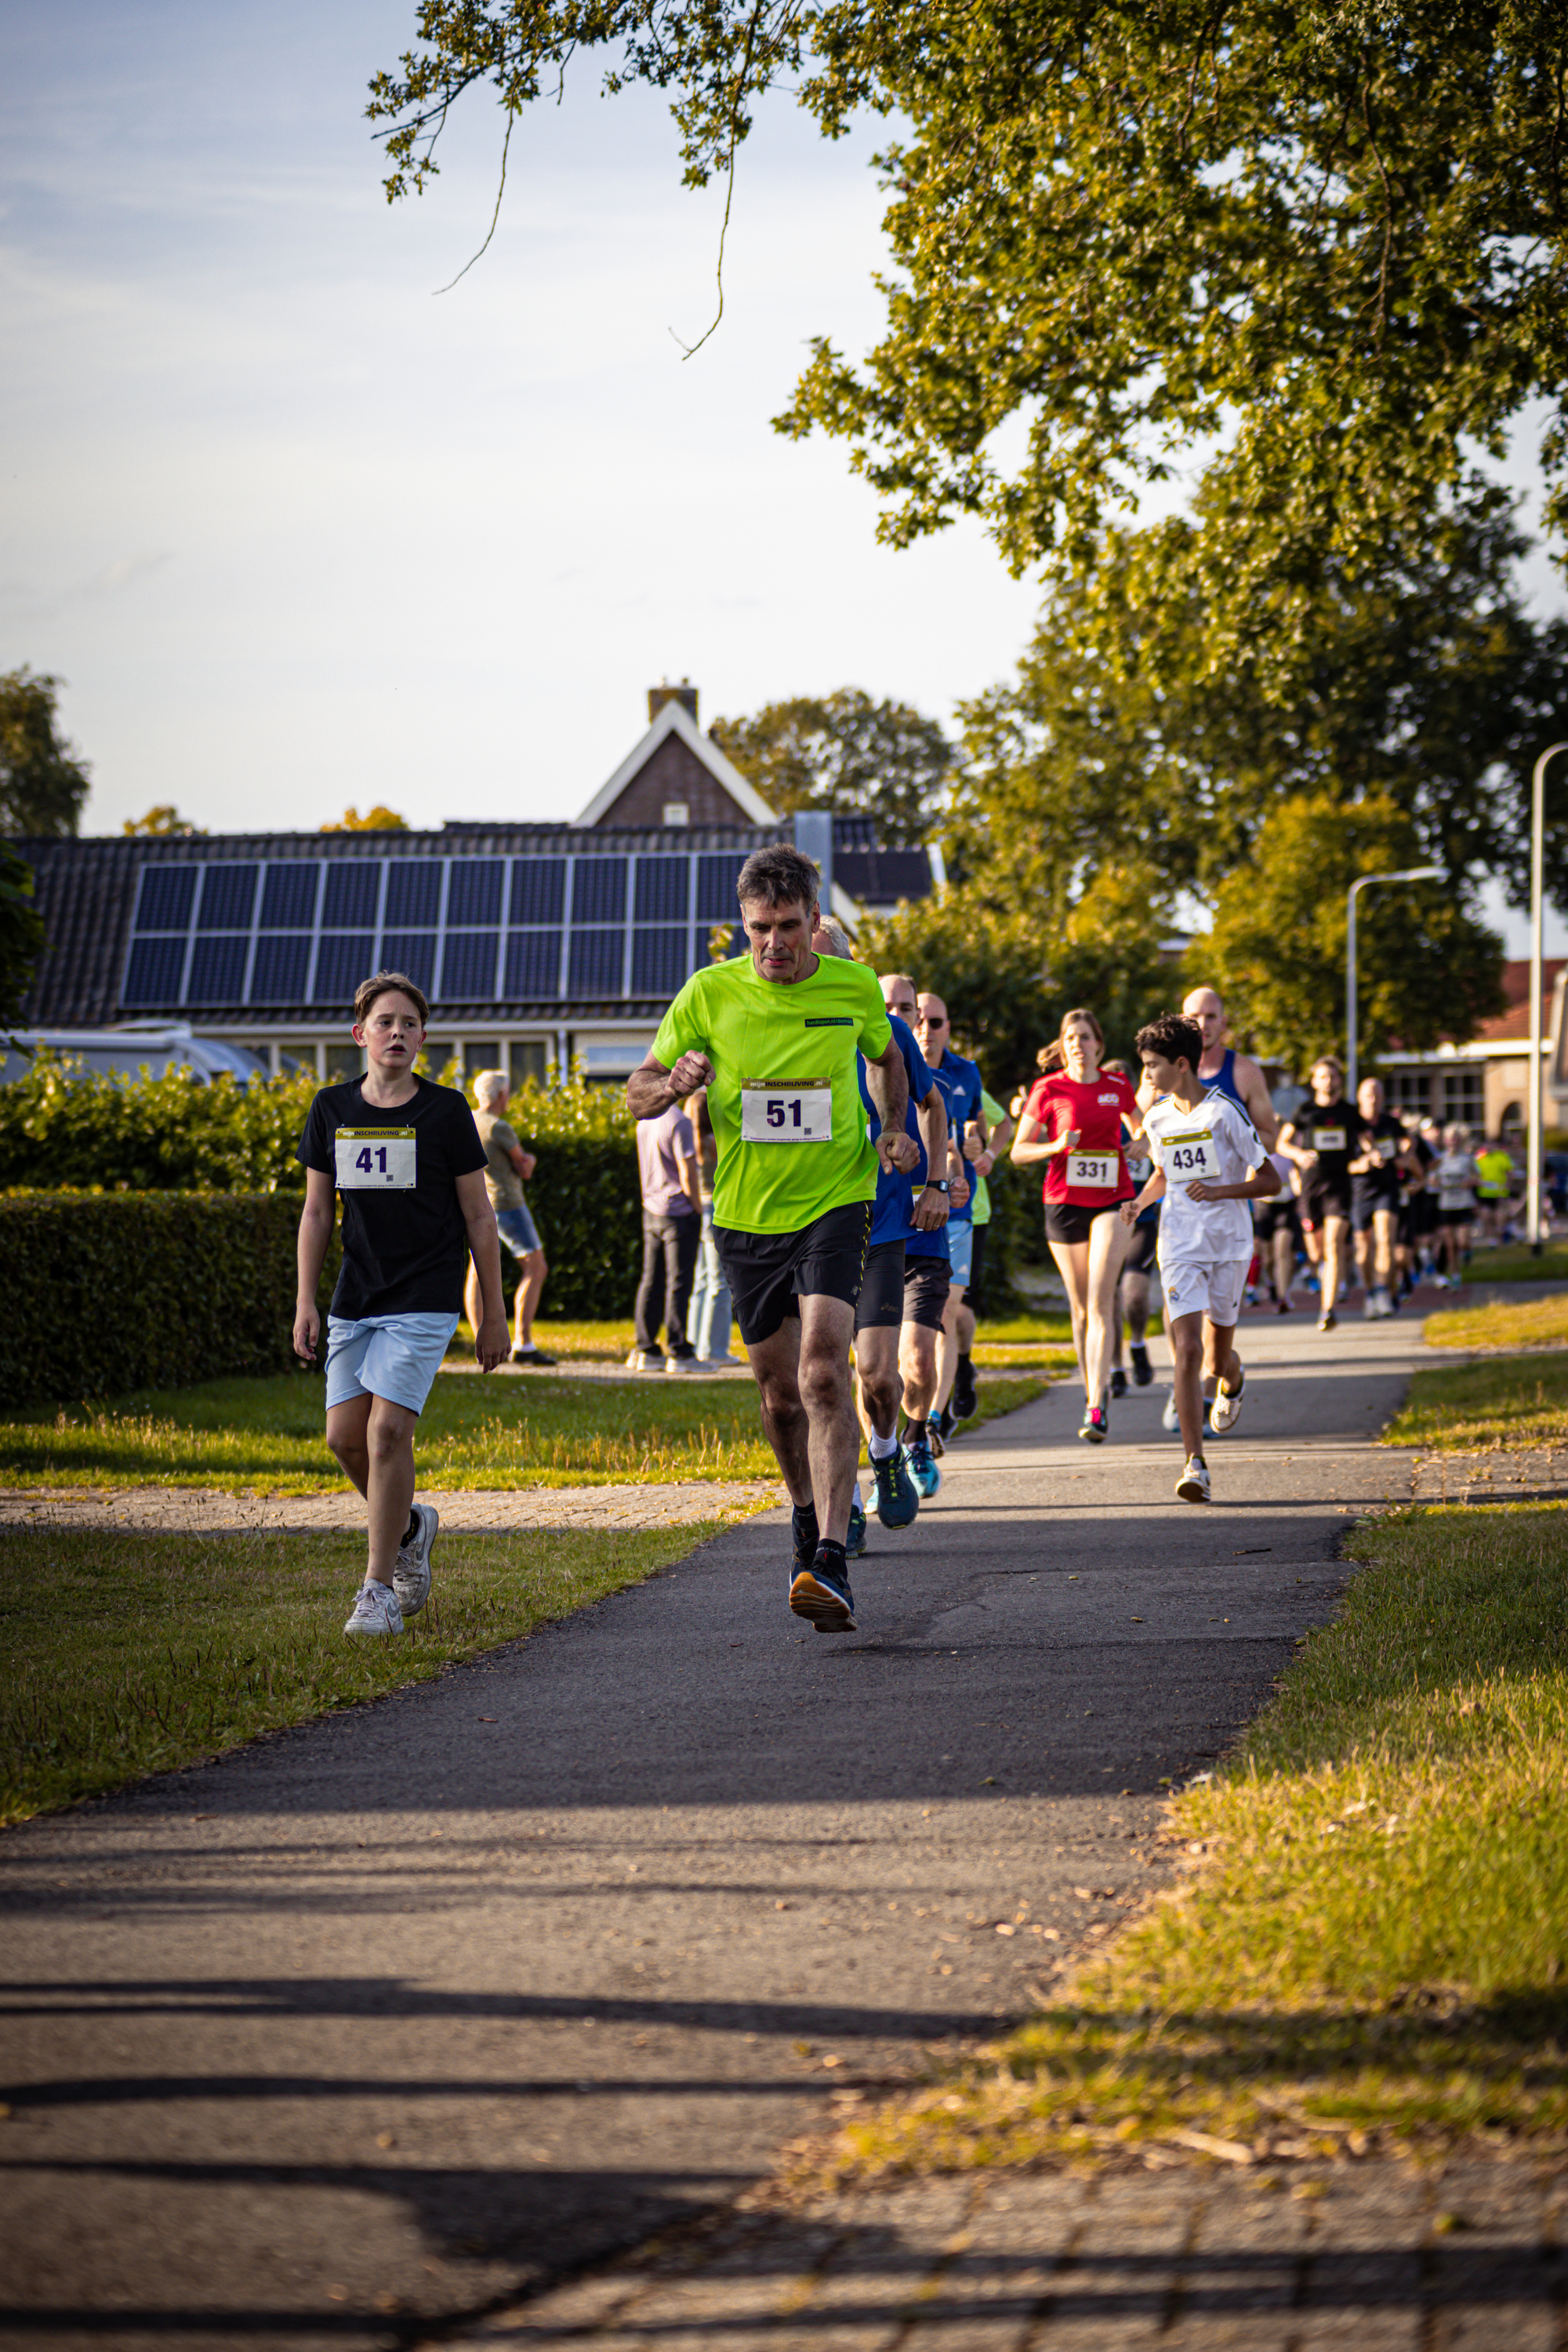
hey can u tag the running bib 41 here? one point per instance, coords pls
(1096, 1169)
(788, 1114)
(1328, 1138)
(377, 1159)
(1192, 1159)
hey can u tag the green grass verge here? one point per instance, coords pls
(264, 1435)
(1514, 1263)
(1372, 1950)
(1022, 1341)
(129, 1653)
(1534, 1323)
(1497, 1401)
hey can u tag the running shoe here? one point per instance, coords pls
(411, 1569)
(690, 1362)
(922, 1469)
(821, 1594)
(1118, 1382)
(1193, 1485)
(1171, 1419)
(535, 1358)
(376, 1611)
(1143, 1369)
(898, 1496)
(961, 1403)
(1094, 1427)
(646, 1360)
(1226, 1410)
(1282, 1307)
(1328, 1320)
(855, 1541)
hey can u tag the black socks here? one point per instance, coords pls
(411, 1532)
(837, 1560)
(802, 1517)
(915, 1433)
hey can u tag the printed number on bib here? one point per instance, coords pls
(1192, 1159)
(1451, 1196)
(1328, 1138)
(377, 1159)
(787, 1114)
(1094, 1170)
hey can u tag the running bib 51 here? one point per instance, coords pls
(376, 1159)
(1328, 1138)
(1098, 1169)
(1192, 1159)
(788, 1114)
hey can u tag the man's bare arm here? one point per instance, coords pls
(1254, 1094)
(651, 1088)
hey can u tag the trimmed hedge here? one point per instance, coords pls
(106, 1292)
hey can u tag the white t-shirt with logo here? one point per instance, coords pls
(1214, 1142)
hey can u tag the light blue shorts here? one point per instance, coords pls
(519, 1232)
(391, 1356)
(960, 1251)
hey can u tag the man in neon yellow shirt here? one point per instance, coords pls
(773, 1037)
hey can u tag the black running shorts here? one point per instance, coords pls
(927, 1281)
(1317, 1206)
(768, 1271)
(1066, 1221)
(881, 1305)
(1275, 1214)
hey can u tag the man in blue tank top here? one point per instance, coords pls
(1231, 1072)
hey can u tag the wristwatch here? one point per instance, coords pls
(936, 1184)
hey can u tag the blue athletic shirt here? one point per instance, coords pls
(891, 1220)
(961, 1090)
(1224, 1081)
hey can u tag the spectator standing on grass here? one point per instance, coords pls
(508, 1168)
(708, 1319)
(671, 1235)
(406, 1157)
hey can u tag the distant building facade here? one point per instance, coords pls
(537, 944)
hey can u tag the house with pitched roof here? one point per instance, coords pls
(538, 945)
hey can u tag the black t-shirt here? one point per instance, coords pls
(1332, 1173)
(1382, 1184)
(405, 1244)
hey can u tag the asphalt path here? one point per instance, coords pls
(359, 2032)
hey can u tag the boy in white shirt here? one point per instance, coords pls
(1208, 1163)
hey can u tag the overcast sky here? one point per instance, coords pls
(299, 531)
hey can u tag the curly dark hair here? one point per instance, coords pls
(1174, 1038)
(779, 877)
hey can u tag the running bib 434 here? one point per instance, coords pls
(786, 1114)
(1192, 1159)
(377, 1159)
(1328, 1138)
(1089, 1170)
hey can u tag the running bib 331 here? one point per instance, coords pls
(377, 1159)
(787, 1114)
(1094, 1168)
(1192, 1159)
(1328, 1138)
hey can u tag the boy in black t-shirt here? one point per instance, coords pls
(407, 1159)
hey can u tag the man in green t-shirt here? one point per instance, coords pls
(774, 1036)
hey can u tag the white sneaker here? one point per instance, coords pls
(411, 1569)
(1227, 1408)
(1171, 1419)
(1193, 1485)
(683, 1363)
(724, 1360)
(376, 1611)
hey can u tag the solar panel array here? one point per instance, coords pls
(466, 929)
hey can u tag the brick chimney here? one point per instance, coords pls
(657, 696)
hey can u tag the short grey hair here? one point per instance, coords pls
(488, 1084)
(840, 943)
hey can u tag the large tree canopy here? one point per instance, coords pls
(844, 753)
(1335, 231)
(43, 778)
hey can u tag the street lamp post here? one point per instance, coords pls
(1405, 874)
(1537, 920)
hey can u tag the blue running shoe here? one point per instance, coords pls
(898, 1496)
(821, 1594)
(922, 1469)
(855, 1541)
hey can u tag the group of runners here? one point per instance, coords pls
(849, 1208)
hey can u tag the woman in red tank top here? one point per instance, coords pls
(1073, 1123)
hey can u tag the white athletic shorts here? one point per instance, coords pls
(391, 1356)
(1211, 1287)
